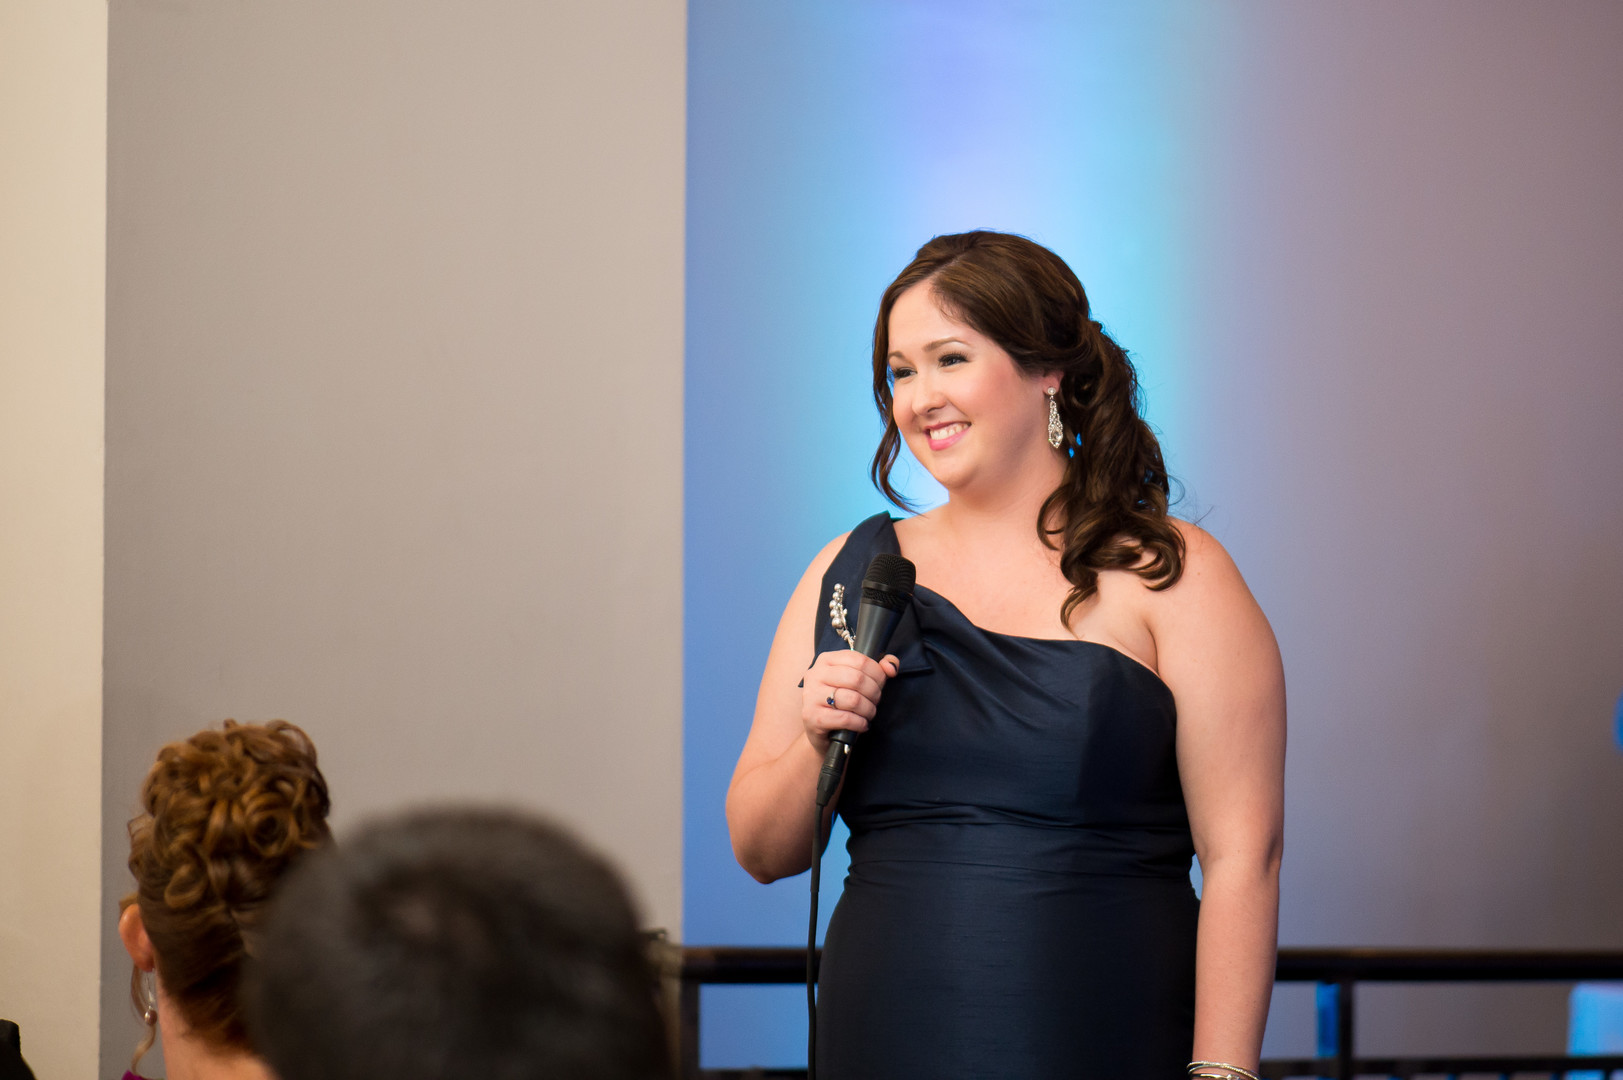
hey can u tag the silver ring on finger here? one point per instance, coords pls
(831, 699)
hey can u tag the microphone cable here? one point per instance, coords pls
(811, 945)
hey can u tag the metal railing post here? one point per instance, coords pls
(1335, 1025)
(688, 1031)
(1344, 1029)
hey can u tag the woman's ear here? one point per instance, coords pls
(133, 932)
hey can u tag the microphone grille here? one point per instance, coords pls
(889, 581)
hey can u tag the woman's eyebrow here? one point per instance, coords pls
(932, 345)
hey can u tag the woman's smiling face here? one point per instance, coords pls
(968, 413)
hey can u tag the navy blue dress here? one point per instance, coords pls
(1018, 903)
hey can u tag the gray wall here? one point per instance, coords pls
(394, 407)
(1409, 227)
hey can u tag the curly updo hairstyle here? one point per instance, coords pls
(224, 815)
(1110, 511)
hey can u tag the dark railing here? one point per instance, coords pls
(1337, 973)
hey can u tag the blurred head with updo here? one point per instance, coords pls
(224, 815)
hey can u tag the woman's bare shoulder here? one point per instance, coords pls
(793, 644)
(1201, 548)
(1208, 572)
(1214, 646)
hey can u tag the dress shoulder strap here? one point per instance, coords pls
(874, 536)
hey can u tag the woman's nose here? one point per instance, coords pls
(928, 394)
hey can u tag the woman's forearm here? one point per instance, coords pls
(769, 813)
(1234, 958)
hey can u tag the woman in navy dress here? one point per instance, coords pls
(1082, 696)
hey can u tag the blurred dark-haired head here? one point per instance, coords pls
(456, 943)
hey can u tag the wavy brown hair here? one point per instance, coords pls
(224, 815)
(1110, 511)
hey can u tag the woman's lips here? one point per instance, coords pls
(945, 435)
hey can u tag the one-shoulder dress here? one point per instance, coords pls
(1018, 903)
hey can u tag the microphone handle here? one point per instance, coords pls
(875, 624)
(834, 759)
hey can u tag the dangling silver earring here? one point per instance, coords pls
(146, 988)
(149, 998)
(1056, 430)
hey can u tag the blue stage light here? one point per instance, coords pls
(826, 143)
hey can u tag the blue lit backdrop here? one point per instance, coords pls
(826, 142)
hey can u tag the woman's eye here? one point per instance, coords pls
(948, 359)
(899, 373)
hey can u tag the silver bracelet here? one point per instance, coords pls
(1234, 1070)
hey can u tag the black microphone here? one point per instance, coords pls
(887, 589)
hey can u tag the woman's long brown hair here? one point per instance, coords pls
(1110, 511)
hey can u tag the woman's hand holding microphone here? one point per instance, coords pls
(842, 694)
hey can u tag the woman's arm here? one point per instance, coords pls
(1214, 648)
(772, 797)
